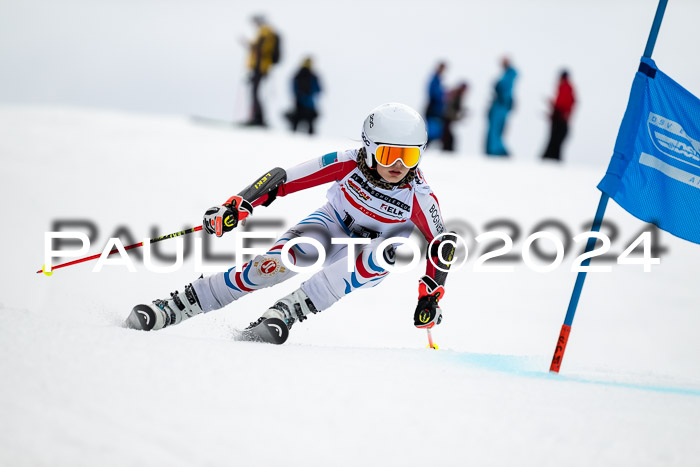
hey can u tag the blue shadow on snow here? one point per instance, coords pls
(530, 367)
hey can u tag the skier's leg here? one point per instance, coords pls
(335, 281)
(273, 326)
(215, 291)
(168, 311)
(321, 291)
(218, 290)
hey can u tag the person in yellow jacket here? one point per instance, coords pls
(263, 54)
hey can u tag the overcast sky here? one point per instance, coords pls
(185, 57)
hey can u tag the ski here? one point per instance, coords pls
(266, 330)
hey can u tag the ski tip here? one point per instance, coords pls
(141, 318)
(270, 331)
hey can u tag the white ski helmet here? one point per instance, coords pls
(391, 126)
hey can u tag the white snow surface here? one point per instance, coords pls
(355, 384)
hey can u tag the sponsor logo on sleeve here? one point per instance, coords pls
(437, 221)
(329, 159)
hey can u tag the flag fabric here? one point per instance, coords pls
(654, 173)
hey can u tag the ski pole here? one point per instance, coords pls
(431, 344)
(130, 247)
(266, 185)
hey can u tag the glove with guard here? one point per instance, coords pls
(221, 219)
(428, 313)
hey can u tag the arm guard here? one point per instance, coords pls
(444, 249)
(268, 185)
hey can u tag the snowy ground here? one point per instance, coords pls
(354, 385)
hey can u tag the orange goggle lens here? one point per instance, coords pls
(388, 155)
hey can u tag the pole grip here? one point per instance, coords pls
(560, 349)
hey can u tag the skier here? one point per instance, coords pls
(378, 193)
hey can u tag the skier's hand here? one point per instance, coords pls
(221, 219)
(428, 313)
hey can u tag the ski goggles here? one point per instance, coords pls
(388, 155)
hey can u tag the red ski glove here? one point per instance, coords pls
(221, 219)
(428, 313)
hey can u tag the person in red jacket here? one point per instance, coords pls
(562, 106)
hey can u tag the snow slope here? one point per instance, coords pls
(354, 385)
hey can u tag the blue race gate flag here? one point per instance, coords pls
(654, 173)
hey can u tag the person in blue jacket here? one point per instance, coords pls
(500, 108)
(306, 86)
(435, 111)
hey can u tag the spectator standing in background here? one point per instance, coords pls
(500, 108)
(436, 104)
(264, 52)
(306, 86)
(561, 108)
(454, 111)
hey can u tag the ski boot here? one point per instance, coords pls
(166, 312)
(274, 325)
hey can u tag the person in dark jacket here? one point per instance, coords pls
(500, 108)
(454, 111)
(436, 104)
(561, 108)
(306, 87)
